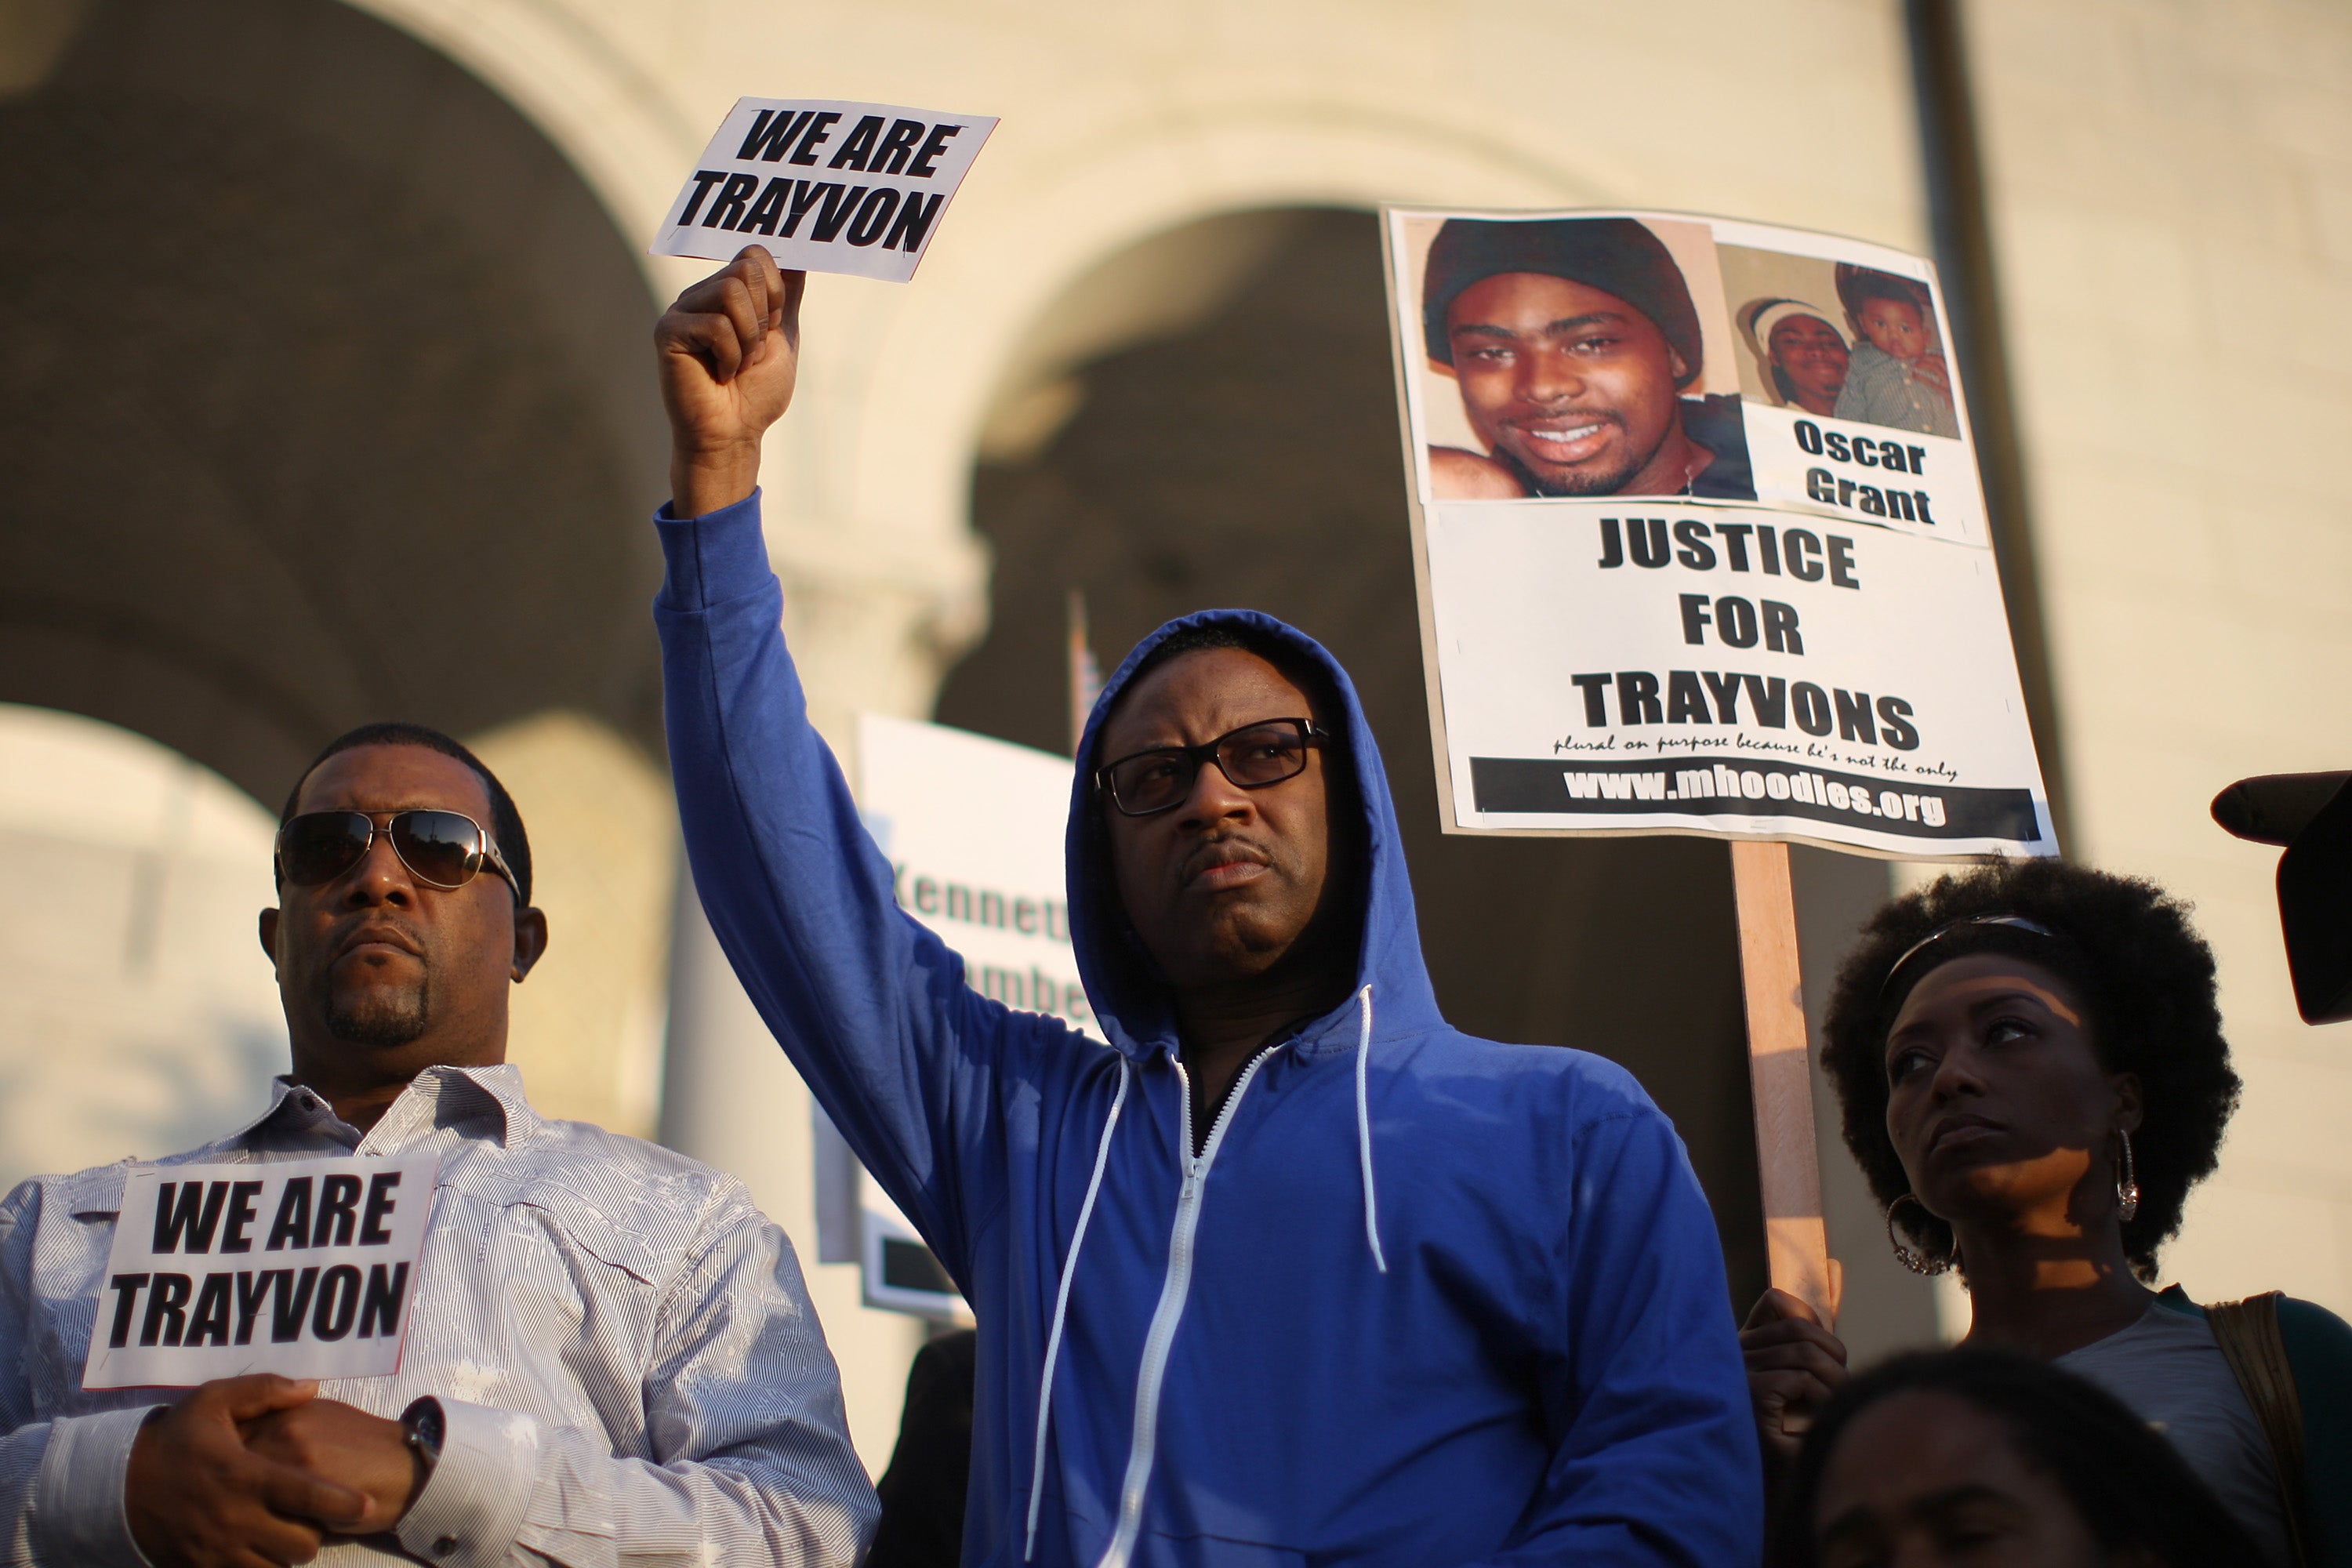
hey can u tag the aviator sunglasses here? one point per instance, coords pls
(1253, 757)
(442, 849)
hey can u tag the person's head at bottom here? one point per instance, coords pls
(2033, 1072)
(1229, 814)
(1976, 1456)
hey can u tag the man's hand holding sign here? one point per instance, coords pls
(210, 1467)
(259, 1469)
(729, 346)
(200, 1491)
(729, 355)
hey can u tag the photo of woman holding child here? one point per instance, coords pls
(1838, 340)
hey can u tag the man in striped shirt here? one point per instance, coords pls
(611, 1355)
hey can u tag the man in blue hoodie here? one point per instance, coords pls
(1290, 1271)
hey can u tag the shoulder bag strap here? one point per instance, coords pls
(2248, 1333)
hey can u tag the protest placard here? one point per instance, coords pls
(1700, 542)
(827, 186)
(973, 831)
(1701, 548)
(303, 1267)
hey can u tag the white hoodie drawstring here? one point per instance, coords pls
(1061, 1311)
(1364, 1127)
(1086, 1214)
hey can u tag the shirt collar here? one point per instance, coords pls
(439, 1095)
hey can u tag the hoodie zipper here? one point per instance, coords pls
(1142, 1447)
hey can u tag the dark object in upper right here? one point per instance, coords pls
(2311, 815)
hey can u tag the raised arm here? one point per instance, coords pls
(871, 1008)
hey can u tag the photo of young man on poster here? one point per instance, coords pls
(1575, 345)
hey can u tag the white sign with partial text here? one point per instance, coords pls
(973, 830)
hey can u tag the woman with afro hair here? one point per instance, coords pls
(2032, 1069)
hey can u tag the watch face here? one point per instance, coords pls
(424, 1424)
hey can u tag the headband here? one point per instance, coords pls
(1982, 933)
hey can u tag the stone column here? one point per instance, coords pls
(731, 1099)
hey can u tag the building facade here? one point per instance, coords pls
(1144, 358)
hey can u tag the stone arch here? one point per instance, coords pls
(322, 374)
(137, 1013)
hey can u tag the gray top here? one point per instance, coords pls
(2168, 1369)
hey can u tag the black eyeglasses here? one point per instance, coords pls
(442, 849)
(1253, 757)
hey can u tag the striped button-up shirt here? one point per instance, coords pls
(625, 1355)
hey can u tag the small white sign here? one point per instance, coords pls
(305, 1267)
(824, 185)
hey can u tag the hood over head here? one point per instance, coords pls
(1124, 986)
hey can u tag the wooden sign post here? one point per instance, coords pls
(1085, 677)
(1780, 1075)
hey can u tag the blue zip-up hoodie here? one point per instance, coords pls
(1421, 1300)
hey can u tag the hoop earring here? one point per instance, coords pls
(1910, 1256)
(2127, 1185)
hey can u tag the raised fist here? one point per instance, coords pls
(730, 352)
(1795, 1365)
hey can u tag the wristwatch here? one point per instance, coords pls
(422, 1425)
